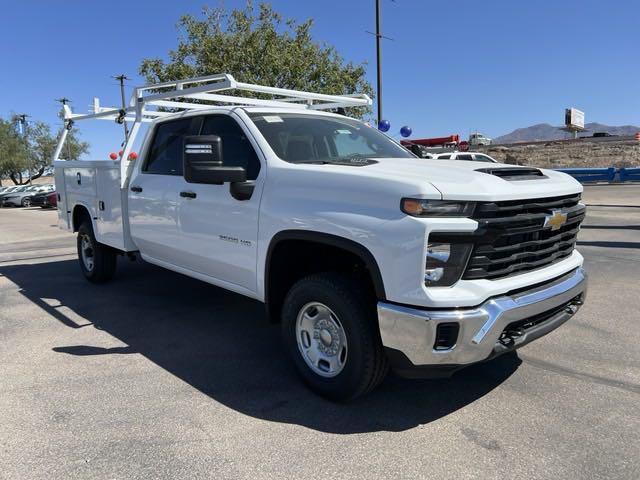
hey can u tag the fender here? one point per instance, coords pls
(332, 240)
(80, 205)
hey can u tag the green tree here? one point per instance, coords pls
(14, 155)
(31, 152)
(258, 46)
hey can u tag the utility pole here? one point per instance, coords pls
(121, 78)
(64, 101)
(21, 118)
(378, 61)
(379, 36)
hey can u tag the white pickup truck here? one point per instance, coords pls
(368, 256)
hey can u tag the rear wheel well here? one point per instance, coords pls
(291, 259)
(80, 214)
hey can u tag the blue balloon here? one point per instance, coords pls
(405, 131)
(384, 125)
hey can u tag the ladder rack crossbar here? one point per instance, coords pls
(202, 89)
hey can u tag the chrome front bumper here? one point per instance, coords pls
(410, 333)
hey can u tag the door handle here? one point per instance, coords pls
(188, 194)
(136, 189)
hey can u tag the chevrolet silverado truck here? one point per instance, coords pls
(368, 257)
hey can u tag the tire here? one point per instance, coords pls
(360, 363)
(97, 261)
(26, 202)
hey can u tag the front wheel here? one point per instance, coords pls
(329, 329)
(97, 261)
(26, 202)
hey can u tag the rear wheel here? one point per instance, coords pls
(97, 261)
(329, 329)
(26, 202)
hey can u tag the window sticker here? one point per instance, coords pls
(344, 131)
(272, 119)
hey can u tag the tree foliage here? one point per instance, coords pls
(14, 155)
(31, 152)
(256, 45)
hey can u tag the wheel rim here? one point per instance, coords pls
(321, 339)
(27, 203)
(86, 252)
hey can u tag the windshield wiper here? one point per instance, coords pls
(355, 159)
(310, 160)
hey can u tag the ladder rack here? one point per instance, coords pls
(147, 104)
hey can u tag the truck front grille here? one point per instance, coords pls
(511, 236)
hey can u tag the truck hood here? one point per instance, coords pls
(461, 180)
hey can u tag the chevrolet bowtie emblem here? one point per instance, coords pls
(556, 220)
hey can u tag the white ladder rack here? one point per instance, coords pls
(146, 103)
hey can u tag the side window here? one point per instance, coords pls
(237, 150)
(464, 157)
(165, 156)
(444, 157)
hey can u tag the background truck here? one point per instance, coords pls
(367, 256)
(476, 139)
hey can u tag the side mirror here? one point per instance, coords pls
(203, 162)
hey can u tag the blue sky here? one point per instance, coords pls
(453, 66)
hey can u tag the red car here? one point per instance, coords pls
(45, 200)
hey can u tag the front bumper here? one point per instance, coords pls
(497, 326)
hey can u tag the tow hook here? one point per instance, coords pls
(508, 337)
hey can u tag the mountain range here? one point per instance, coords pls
(545, 131)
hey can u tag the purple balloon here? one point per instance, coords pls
(384, 125)
(405, 131)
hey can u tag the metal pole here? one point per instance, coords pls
(64, 101)
(379, 61)
(121, 78)
(22, 120)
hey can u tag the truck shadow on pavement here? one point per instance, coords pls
(221, 344)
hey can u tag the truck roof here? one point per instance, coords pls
(248, 109)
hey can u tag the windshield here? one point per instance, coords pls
(301, 138)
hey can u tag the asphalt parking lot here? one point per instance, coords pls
(156, 375)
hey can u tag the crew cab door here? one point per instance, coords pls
(154, 192)
(219, 227)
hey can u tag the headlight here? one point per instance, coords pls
(445, 263)
(436, 208)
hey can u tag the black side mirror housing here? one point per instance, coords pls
(203, 162)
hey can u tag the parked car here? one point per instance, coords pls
(366, 256)
(9, 189)
(468, 156)
(12, 191)
(22, 196)
(45, 200)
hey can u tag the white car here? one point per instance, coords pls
(365, 256)
(468, 156)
